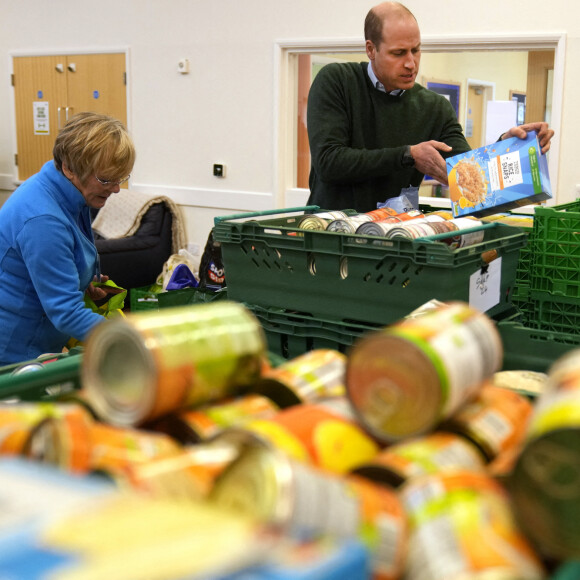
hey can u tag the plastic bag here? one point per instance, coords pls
(182, 257)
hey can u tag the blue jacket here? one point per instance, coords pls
(47, 260)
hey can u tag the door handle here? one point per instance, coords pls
(66, 110)
(58, 117)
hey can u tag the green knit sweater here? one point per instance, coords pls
(358, 134)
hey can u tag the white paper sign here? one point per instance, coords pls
(484, 287)
(41, 122)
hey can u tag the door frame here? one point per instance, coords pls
(286, 195)
(64, 52)
(489, 86)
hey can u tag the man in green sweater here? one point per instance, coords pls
(372, 130)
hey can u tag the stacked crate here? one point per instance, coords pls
(547, 293)
(311, 288)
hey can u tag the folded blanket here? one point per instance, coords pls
(121, 216)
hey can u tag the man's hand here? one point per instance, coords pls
(428, 160)
(543, 130)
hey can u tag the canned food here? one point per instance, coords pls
(469, 239)
(462, 527)
(545, 482)
(446, 215)
(189, 474)
(18, 420)
(432, 453)
(265, 483)
(27, 368)
(196, 425)
(78, 444)
(378, 229)
(496, 420)
(315, 375)
(312, 222)
(381, 213)
(528, 383)
(410, 215)
(349, 224)
(406, 378)
(332, 439)
(151, 363)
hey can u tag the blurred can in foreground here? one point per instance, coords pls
(312, 376)
(150, 363)
(305, 502)
(461, 526)
(406, 378)
(545, 482)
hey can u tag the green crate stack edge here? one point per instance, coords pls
(547, 293)
(279, 276)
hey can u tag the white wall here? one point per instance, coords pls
(224, 111)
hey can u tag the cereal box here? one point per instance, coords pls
(498, 177)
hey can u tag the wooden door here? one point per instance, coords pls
(474, 119)
(96, 82)
(69, 84)
(37, 80)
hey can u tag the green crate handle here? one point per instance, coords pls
(236, 216)
(436, 237)
(32, 385)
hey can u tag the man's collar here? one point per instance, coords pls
(379, 86)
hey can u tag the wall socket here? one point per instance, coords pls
(219, 170)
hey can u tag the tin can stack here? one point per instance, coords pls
(409, 457)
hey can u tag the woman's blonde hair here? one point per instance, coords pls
(94, 144)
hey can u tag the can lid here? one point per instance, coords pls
(119, 374)
(258, 482)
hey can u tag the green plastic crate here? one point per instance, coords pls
(290, 334)
(552, 312)
(143, 299)
(555, 242)
(353, 278)
(532, 349)
(59, 375)
(189, 296)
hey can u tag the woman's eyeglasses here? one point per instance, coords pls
(113, 183)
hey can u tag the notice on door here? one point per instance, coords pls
(41, 122)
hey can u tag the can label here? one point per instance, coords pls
(352, 507)
(209, 420)
(462, 526)
(332, 442)
(306, 502)
(80, 445)
(431, 453)
(497, 420)
(312, 376)
(18, 420)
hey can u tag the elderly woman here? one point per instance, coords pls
(48, 258)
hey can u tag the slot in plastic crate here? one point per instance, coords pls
(353, 278)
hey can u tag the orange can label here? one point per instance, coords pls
(333, 442)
